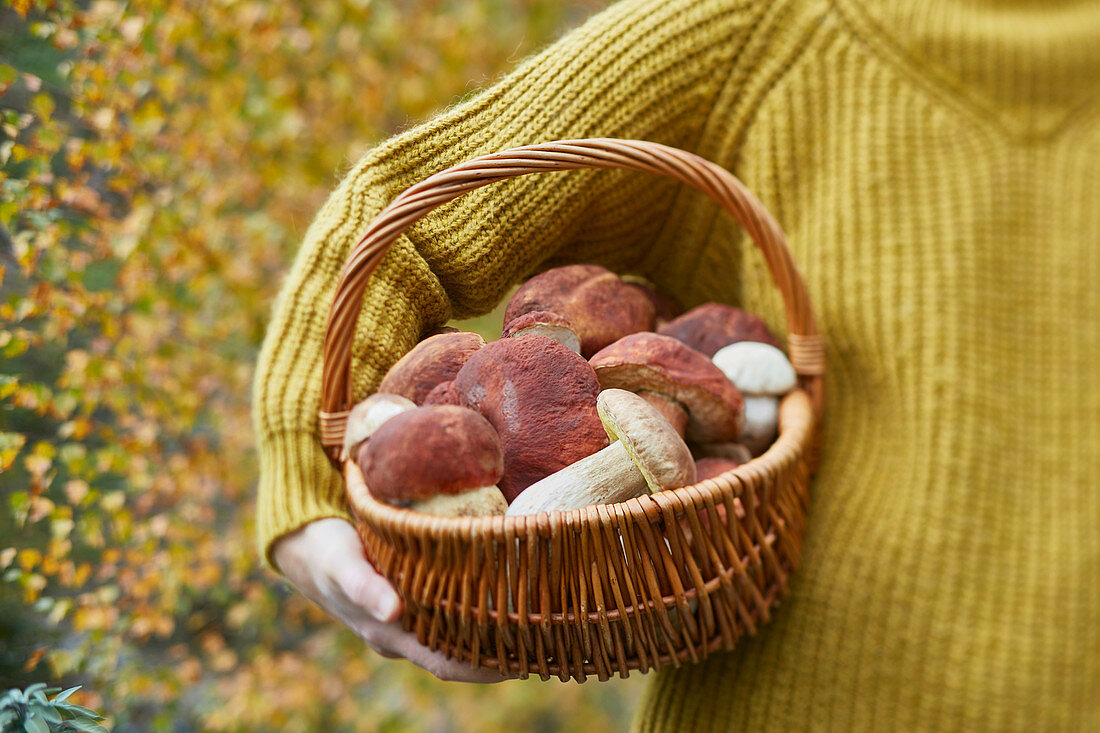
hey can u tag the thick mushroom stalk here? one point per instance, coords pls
(674, 378)
(646, 455)
(761, 422)
(441, 460)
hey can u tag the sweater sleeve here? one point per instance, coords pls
(644, 69)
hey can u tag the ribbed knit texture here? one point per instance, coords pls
(936, 166)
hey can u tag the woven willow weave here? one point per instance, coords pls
(658, 580)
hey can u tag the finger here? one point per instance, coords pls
(365, 588)
(448, 670)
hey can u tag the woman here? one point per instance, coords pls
(934, 164)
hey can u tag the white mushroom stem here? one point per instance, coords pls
(605, 477)
(482, 502)
(670, 410)
(761, 422)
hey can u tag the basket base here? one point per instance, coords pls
(662, 580)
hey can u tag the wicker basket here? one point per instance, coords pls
(605, 589)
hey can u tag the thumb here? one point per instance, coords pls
(366, 589)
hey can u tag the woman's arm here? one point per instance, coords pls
(641, 69)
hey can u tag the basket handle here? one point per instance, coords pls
(804, 342)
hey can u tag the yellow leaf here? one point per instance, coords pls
(76, 490)
(29, 557)
(113, 501)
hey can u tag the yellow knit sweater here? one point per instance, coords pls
(937, 168)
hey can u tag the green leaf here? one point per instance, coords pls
(88, 726)
(48, 713)
(8, 384)
(34, 724)
(80, 710)
(65, 695)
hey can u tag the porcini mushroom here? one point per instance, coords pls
(763, 374)
(711, 326)
(444, 393)
(756, 368)
(710, 467)
(544, 323)
(761, 422)
(541, 398)
(646, 455)
(733, 451)
(368, 415)
(441, 460)
(435, 359)
(665, 307)
(676, 378)
(599, 305)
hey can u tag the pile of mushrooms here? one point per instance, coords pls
(597, 392)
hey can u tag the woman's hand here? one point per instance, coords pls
(325, 561)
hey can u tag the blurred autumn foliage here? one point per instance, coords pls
(159, 162)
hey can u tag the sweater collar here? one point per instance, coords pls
(1029, 63)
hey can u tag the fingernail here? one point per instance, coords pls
(386, 606)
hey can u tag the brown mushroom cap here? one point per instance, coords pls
(431, 450)
(733, 451)
(711, 326)
(444, 393)
(601, 307)
(710, 467)
(435, 359)
(649, 362)
(541, 398)
(664, 305)
(544, 323)
(367, 416)
(657, 450)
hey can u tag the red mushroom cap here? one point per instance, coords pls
(445, 393)
(543, 323)
(710, 467)
(711, 326)
(664, 305)
(541, 398)
(649, 362)
(435, 359)
(600, 306)
(431, 450)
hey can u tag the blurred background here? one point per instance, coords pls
(159, 163)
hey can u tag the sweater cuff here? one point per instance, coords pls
(298, 485)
